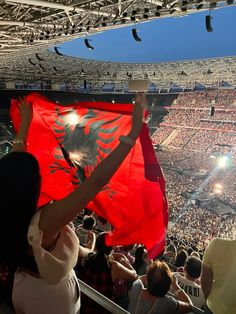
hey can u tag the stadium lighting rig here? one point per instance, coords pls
(218, 188)
(222, 162)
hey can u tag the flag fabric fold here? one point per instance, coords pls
(70, 141)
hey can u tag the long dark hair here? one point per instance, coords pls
(19, 192)
(99, 258)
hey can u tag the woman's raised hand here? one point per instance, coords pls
(26, 111)
(137, 116)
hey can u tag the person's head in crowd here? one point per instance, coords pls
(171, 248)
(195, 254)
(159, 279)
(181, 258)
(18, 199)
(181, 247)
(141, 261)
(101, 254)
(170, 254)
(192, 267)
(168, 241)
(127, 248)
(190, 250)
(87, 212)
(89, 222)
(140, 254)
(100, 246)
(175, 243)
(201, 253)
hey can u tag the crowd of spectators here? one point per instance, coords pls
(125, 274)
(186, 153)
(221, 98)
(190, 123)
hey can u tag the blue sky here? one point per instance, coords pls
(166, 39)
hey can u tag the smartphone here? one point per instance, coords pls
(138, 85)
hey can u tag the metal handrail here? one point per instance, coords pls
(101, 299)
(108, 304)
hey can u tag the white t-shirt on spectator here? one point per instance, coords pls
(192, 289)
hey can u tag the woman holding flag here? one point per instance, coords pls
(38, 243)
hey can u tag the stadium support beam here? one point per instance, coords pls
(156, 2)
(27, 24)
(57, 6)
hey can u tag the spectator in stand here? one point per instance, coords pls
(170, 254)
(181, 258)
(40, 246)
(141, 261)
(195, 254)
(85, 234)
(148, 293)
(101, 270)
(121, 286)
(189, 280)
(218, 278)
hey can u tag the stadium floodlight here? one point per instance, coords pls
(222, 162)
(72, 119)
(76, 157)
(218, 188)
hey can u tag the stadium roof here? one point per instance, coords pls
(29, 27)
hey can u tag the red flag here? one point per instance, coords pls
(70, 141)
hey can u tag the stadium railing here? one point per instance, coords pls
(101, 299)
(108, 304)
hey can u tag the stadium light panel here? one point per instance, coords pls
(218, 188)
(72, 119)
(222, 162)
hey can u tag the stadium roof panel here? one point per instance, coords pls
(29, 27)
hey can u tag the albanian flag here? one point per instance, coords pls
(70, 141)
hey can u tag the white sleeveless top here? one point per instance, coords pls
(53, 266)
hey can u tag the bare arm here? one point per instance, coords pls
(119, 257)
(92, 241)
(185, 303)
(143, 279)
(19, 144)
(119, 271)
(54, 216)
(206, 280)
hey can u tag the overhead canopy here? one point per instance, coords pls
(28, 28)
